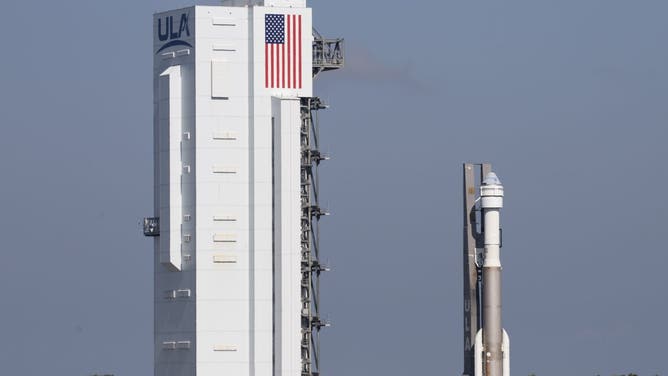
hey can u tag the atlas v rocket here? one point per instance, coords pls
(488, 352)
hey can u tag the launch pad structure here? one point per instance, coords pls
(237, 203)
(311, 265)
(472, 178)
(236, 222)
(327, 56)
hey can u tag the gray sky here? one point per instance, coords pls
(568, 99)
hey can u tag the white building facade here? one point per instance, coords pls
(227, 83)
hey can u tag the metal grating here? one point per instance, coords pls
(327, 53)
(152, 226)
(311, 264)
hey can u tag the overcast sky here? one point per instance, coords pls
(567, 98)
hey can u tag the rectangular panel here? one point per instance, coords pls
(171, 201)
(224, 218)
(225, 135)
(224, 348)
(218, 169)
(183, 345)
(221, 80)
(224, 238)
(220, 21)
(287, 230)
(224, 259)
(224, 47)
(169, 345)
(183, 293)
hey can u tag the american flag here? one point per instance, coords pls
(283, 51)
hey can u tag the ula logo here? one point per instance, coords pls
(168, 31)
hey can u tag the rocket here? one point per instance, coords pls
(492, 344)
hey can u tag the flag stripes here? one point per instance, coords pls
(283, 51)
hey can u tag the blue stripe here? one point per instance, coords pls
(174, 43)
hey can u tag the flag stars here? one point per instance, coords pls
(275, 28)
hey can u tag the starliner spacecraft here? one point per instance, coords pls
(486, 343)
(236, 211)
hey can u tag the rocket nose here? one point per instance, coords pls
(491, 179)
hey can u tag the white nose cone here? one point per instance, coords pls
(491, 179)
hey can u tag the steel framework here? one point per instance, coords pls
(311, 265)
(327, 55)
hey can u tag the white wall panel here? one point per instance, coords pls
(229, 361)
(223, 112)
(231, 318)
(223, 367)
(214, 284)
(287, 224)
(228, 79)
(265, 260)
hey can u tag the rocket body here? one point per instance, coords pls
(493, 359)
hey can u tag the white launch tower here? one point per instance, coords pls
(236, 211)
